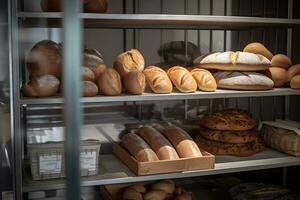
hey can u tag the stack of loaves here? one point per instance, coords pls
(237, 70)
(229, 132)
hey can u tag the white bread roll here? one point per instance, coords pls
(258, 48)
(282, 61)
(243, 80)
(182, 79)
(231, 61)
(161, 146)
(205, 80)
(293, 71)
(278, 75)
(138, 148)
(295, 82)
(41, 86)
(182, 141)
(158, 80)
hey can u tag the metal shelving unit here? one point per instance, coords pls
(112, 171)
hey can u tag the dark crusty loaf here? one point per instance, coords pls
(221, 148)
(231, 120)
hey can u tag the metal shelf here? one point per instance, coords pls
(112, 171)
(163, 97)
(52, 19)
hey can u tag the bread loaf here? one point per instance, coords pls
(89, 89)
(231, 120)
(161, 146)
(295, 82)
(155, 195)
(42, 86)
(278, 75)
(93, 60)
(168, 187)
(282, 61)
(233, 61)
(182, 141)
(258, 48)
(243, 80)
(138, 148)
(131, 194)
(109, 83)
(293, 71)
(129, 61)
(158, 80)
(234, 137)
(87, 74)
(134, 82)
(205, 80)
(182, 79)
(44, 59)
(184, 196)
(138, 187)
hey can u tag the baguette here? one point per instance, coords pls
(161, 146)
(182, 79)
(138, 148)
(182, 141)
(158, 80)
(205, 80)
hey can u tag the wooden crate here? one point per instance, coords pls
(207, 161)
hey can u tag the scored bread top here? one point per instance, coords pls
(231, 57)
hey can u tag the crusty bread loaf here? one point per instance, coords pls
(155, 195)
(134, 82)
(94, 60)
(158, 80)
(109, 83)
(182, 141)
(233, 61)
(87, 74)
(258, 48)
(89, 6)
(231, 120)
(168, 187)
(295, 82)
(184, 196)
(128, 61)
(221, 148)
(44, 59)
(89, 89)
(278, 75)
(282, 61)
(234, 137)
(160, 145)
(205, 80)
(41, 86)
(293, 71)
(138, 148)
(131, 194)
(182, 79)
(139, 187)
(243, 80)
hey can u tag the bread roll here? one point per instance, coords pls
(205, 80)
(243, 80)
(93, 60)
(158, 80)
(167, 187)
(295, 82)
(258, 48)
(89, 6)
(44, 59)
(293, 71)
(42, 86)
(134, 82)
(184, 196)
(231, 120)
(138, 187)
(182, 141)
(138, 148)
(233, 61)
(278, 75)
(161, 146)
(131, 194)
(155, 195)
(89, 89)
(282, 61)
(87, 74)
(182, 79)
(129, 61)
(109, 83)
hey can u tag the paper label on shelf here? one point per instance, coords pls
(88, 160)
(50, 164)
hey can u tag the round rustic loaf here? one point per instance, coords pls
(89, 89)
(94, 61)
(109, 83)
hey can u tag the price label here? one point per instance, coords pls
(50, 164)
(88, 161)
